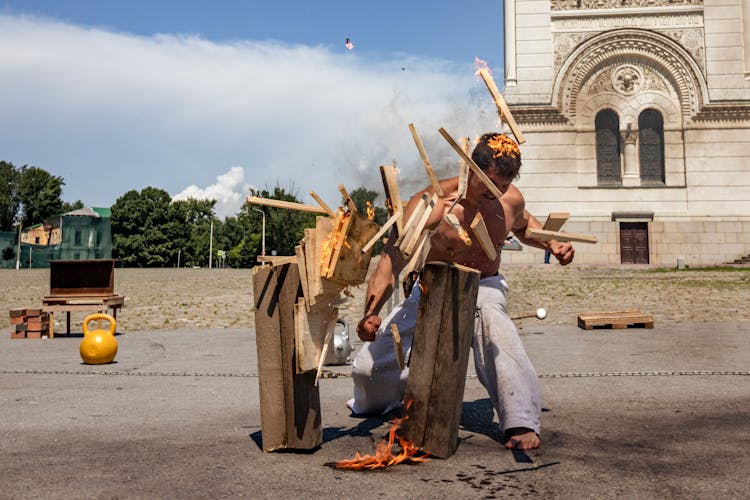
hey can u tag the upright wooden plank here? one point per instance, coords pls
(289, 403)
(440, 356)
(479, 228)
(428, 167)
(312, 326)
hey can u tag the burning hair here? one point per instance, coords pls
(500, 152)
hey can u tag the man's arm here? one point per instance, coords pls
(563, 252)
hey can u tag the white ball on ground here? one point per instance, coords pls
(541, 313)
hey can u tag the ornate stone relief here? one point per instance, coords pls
(614, 4)
(637, 60)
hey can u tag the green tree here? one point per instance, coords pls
(39, 194)
(189, 230)
(284, 228)
(140, 226)
(9, 202)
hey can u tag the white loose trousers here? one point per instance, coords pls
(500, 360)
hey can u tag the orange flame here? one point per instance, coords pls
(327, 248)
(383, 456)
(480, 64)
(370, 211)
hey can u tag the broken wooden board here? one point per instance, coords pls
(392, 196)
(559, 236)
(479, 228)
(289, 402)
(502, 106)
(439, 357)
(555, 221)
(290, 205)
(428, 167)
(472, 166)
(277, 260)
(348, 263)
(615, 320)
(311, 329)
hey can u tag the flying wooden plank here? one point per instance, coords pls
(479, 228)
(555, 221)
(502, 106)
(559, 236)
(473, 166)
(268, 202)
(423, 154)
(392, 196)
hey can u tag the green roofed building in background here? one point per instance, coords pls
(85, 233)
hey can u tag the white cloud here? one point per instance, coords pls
(229, 191)
(111, 112)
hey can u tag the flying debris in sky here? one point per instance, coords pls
(349, 44)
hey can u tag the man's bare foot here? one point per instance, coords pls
(521, 438)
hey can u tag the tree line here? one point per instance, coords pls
(149, 229)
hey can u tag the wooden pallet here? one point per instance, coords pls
(615, 320)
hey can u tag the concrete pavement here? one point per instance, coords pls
(661, 412)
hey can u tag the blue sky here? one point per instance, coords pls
(209, 98)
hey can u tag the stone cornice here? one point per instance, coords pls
(538, 114)
(733, 111)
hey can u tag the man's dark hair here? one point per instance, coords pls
(498, 151)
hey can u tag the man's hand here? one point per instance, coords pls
(367, 327)
(563, 252)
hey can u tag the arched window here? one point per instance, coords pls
(608, 147)
(651, 146)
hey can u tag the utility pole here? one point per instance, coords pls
(211, 245)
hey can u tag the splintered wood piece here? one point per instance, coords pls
(392, 196)
(439, 357)
(312, 263)
(473, 166)
(456, 225)
(502, 107)
(323, 352)
(277, 260)
(479, 228)
(423, 154)
(407, 247)
(420, 254)
(312, 326)
(385, 227)
(397, 345)
(348, 262)
(302, 266)
(322, 204)
(289, 402)
(268, 202)
(555, 221)
(415, 215)
(558, 236)
(347, 199)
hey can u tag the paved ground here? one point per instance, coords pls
(629, 413)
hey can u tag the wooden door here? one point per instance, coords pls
(634, 242)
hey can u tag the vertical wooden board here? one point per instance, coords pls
(350, 263)
(392, 196)
(423, 353)
(290, 403)
(440, 354)
(311, 329)
(270, 366)
(299, 251)
(449, 380)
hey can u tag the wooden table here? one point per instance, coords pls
(70, 303)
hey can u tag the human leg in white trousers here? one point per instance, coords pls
(379, 382)
(503, 367)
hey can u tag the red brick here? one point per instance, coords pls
(17, 335)
(33, 335)
(17, 312)
(33, 311)
(17, 320)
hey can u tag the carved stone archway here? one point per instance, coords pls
(648, 49)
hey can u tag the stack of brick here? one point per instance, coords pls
(28, 323)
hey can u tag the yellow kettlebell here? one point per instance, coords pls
(98, 347)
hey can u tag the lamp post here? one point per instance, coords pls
(263, 235)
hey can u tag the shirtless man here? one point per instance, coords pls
(499, 357)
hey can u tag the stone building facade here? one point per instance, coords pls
(637, 120)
